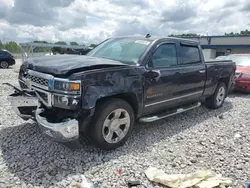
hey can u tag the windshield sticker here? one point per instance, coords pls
(142, 42)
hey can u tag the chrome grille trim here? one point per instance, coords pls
(38, 80)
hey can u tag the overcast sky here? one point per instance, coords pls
(91, 21)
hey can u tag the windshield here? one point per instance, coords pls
(125, 50)
(240, 60)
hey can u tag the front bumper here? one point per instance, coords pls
(65, 131)
(242, 86)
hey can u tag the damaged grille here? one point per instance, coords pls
(38, 80)
(44, 96)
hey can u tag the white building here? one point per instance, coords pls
(214, 46)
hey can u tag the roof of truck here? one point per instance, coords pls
(158, 38)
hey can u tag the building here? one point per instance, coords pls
(214, 46)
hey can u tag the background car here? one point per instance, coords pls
(242, 75)
(6, 59)
(221, 57)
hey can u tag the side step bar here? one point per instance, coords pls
(149, 119)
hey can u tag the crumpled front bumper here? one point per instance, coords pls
(65, 131)
(28, 107)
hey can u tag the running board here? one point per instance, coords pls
(149, 119)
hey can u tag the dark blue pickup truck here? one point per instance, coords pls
(122, 80)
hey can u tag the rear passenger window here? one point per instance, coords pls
(164, 56)
(190, 54)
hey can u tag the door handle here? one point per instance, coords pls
(202, 71)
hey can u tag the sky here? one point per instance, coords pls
(92, 21)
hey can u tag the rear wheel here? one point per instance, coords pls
(4, 64)
(112, 124)
(217, 99)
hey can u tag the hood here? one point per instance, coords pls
(243, 69)
(66, 64)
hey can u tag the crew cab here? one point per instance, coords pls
(121, 81)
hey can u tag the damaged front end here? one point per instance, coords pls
(57, 114)
(24, 104)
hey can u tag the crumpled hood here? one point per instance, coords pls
(64, 64)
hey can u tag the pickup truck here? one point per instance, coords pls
(121, 81)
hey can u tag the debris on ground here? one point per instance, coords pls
(199, 179)
(237, 135)
(85, 183)
(133, 183)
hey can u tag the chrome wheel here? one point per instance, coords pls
(220, 96)
(4, 64)
(116, 126)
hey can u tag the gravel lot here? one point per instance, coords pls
(199, 139)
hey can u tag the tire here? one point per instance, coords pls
(108, 121)
(217, 99)
(4, 64)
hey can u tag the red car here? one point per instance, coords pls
(242, 61)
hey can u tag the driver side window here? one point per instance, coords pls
(164, 56)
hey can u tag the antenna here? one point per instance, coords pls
(148, 35)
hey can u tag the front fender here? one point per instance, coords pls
(110, 83)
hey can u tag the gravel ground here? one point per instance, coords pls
(199, 139)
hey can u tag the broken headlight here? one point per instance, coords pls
(67, 86)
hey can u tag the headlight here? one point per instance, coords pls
(66, 101)
(67, 86)
(246, 75)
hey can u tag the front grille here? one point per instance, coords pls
(41, 81)
(44, 96)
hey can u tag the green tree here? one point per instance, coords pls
(74, 43)
(1, 45)
(93, 45)
(61, 42)
(59, 49)
(41, 49)
(185, 35)
(12, 47)
(244, 32)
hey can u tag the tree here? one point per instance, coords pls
(41, 49)
(74, 43)
(246, 32)
(12, 47)
(59, 49)
(61, 42)
(93, 45)
(185, 35)
(1, 45)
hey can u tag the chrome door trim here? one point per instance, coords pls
(183, 96)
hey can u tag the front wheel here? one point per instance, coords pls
(217, 99)
(112, 123)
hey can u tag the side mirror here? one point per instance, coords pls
(153, 74)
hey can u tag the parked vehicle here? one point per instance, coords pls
(220, 57)
(242, 61)
(6, 59)
(118, 82)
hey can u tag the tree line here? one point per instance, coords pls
(244, 32)
(13, 47)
